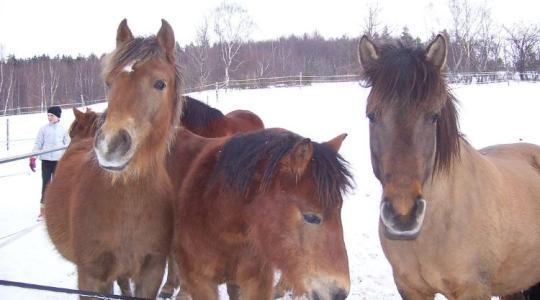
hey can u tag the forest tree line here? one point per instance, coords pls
(476, 44)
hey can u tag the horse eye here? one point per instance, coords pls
(371, 117)
(159, 85)
(435, 118)
(312, 218)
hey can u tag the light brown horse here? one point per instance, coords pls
(257, 202)
(108, 209)
(453, 220)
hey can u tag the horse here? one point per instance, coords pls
(453, 220)
(85, 124)
(109, 207)
(200, 119)
(257, 202)
(207, 121)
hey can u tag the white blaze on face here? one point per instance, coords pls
(129, 67)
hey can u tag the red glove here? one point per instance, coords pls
(33, 164)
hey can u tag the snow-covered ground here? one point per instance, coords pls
(490, 114)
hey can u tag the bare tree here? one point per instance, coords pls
(488, 41)
(371, 21)
(199, 53)
(523, 41)
(232, 26)
(465, 26)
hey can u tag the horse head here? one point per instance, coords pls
(412, 126)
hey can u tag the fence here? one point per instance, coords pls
(301, 79)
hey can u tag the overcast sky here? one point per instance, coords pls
(72, 27)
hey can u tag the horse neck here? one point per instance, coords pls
(462, 182)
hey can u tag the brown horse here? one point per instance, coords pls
(109, 208)
(85, 124)
(207, 121)
(453, 220)
(256, 202)
(197, 117)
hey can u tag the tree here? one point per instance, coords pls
(523, 41)
(232, 26)
(199, 52)
(371, 21)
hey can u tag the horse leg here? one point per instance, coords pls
(88, 282)
(199, 289)
(173, 279)
(282, 287)
(474, 291)
(516, 296)
(125, 286)
(150, 276)
(233, 291)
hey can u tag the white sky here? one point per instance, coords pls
(72, 27)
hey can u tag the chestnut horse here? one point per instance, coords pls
(199, 118)
(207, 121)
(109, 208)
(453, 220)
(258, 202)
(85, 124)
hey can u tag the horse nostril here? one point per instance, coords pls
(123, 141)
(340, 295)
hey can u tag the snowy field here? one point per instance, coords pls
(490, 114)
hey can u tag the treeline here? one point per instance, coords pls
(42, 81)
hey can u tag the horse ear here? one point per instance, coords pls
(436, 51)
(336, 142)
(165, 38)
(299, 157)
(367, 51)
(78, 114)
(123, 34)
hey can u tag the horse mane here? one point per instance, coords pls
(404, 77)
(196, 114)
(141, 49)
(244, 154)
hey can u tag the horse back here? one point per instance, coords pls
(519, 166)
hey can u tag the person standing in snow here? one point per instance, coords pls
(49, 136)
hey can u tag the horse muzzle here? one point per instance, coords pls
(113, 151)
(399, 227)
(328, 289)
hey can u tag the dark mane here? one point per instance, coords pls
(141, 49)
(196, 114)
(403, 77)
(243, 154)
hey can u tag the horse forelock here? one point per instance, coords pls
(138, 50)
(403, 78)
(258, 155)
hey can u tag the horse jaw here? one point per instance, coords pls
(391, 227)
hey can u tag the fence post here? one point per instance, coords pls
(217, 91)
(300, 80)
(7, 134)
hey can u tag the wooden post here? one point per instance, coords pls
(7, 134)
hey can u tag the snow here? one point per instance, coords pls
(489, 114)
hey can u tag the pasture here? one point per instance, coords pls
(489, 114)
